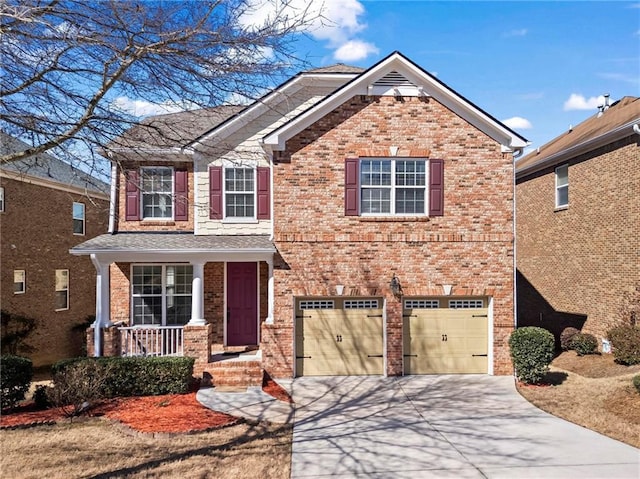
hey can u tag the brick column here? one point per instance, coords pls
(394, 336)
(90, 342)
(110, 342)
(197, 343)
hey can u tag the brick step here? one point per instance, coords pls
(234, 373)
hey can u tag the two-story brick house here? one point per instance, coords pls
(578, 210)
(47, 207)
(350, 222)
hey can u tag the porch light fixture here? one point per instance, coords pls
(339, 289)
(447, 289)
(396, 287)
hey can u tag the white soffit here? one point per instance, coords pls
(397, 75)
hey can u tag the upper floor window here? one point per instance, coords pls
(62, 289)
(393, 186)
(562, 186)
(1, 199)
(19, 281)
(157, 192)
(78, 218)
(239, 185)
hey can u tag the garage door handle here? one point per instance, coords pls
(479, 316)
(444, 337)
(479, 355)
(375, 356)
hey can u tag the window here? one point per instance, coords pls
(562, 186)
(317, 304)
(161, 294)
(78, 218)
(239, 185)
(360, 304)
(393, 186)
(19, 281)
(62, 289)
(1, 199)
(157, 193)
(421, 303)
(465, 303)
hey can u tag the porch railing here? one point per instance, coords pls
(152, 340)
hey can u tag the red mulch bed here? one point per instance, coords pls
(174, 413)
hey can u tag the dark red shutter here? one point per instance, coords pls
(132, 199)
(181, 203)
(215, 193)
(264, 194)
(436, 187)
(351, 186)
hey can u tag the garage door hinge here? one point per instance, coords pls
(479, 316)
(302, 316)
(375, 356)
(409, 315)
(374, 315)
(303, 357)
(410, 355)
(479, 355)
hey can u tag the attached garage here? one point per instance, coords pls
(339, 336)
(445, 335)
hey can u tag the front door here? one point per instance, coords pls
(242, 304)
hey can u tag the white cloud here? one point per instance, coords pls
(518, 123)
(520, 32)
(354, 50)
(142, 108)
(579, 102)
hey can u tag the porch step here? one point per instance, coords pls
(241, 370)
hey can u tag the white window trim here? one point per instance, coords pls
(1, 199)
(557, 189)
(240, 219)
(60, 290)
(173, 193)
(23, 282)
(393, 187)
(84, 218)
(163, 294)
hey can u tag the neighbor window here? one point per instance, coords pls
(161, 294)
(157, 193)
(390, 186)
(562, 186)
(78, 218)
(1, 199)
(239, 187)
(62, 289)
(19, 281)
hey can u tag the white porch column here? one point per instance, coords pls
(103, 318)
(270, 292)
(197, 295)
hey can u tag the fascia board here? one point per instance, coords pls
(431, 86)
(137, 256)
(55, 185)
(579, 149)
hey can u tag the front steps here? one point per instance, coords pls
(233, 369)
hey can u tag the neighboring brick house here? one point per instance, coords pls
(46, 208)
(350, 222)
(578, 223)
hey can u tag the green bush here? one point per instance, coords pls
(41, 397)
(566, 336)
(532, 350)
(138, 376)
(625, 342)
(15, 377)
(584, 343)
(636, 382)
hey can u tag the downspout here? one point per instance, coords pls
(112, 198)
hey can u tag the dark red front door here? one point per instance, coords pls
(242, 304)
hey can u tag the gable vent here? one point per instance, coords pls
(393, 79)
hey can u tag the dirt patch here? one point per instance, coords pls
(593, 365)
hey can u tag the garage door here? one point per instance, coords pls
(445, 336)
(339, 337)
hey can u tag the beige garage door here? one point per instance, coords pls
(339, 337)
(445, 336)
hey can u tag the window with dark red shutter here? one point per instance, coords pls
(132, 199)
(351, 189)
(264, 194)
(181, 208)
(436, 187)
(215, 193)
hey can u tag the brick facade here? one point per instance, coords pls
(578, 264)
(36, 231)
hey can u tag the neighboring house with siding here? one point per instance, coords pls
(349, 222)
(47, 208)
(578, 223)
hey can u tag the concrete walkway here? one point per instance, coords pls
(458, 426)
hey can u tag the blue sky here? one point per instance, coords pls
(538, 66)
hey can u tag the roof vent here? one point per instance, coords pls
(605, 106)
(393, 79)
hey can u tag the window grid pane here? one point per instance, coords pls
(157, 192)
(157, 302)
(239, 193)
(393, 186)
(62, 289)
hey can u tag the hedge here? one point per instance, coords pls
(15, 377)
(625, 342)
(532, 350)
(636, 382)
(138, 376)
(566, 336)
(584, 343)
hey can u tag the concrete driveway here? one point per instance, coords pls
(452, 426)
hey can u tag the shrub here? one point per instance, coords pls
(14, 331)
(532, 350)
(41, 397)
(79, 384)
(636, 382)
(15, 377)
(139, 376)
(584, 343)
(566, 336)
(625, 342)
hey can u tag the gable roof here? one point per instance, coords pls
(396, 74)
(614, 123)
(47, 167)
